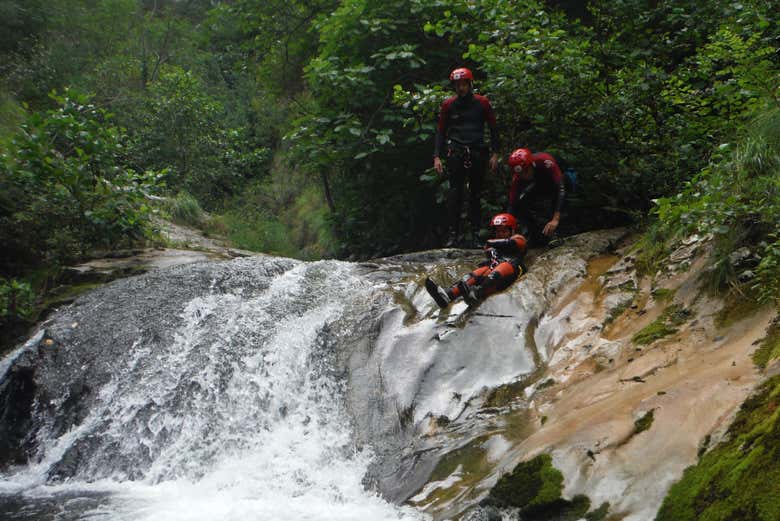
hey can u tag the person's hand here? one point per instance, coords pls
(550, 228)
(437, 165)
(493, 162)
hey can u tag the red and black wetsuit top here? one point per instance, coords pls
(510, 250)
(462, 121)
(546, 183)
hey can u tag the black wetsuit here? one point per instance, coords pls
(460, 137)
(535, 201)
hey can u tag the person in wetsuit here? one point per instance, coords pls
(460, 140)
(537, 194)
(504, 264)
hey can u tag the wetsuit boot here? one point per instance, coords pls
(471, 293)
(438, 293)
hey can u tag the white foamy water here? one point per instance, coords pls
(239, 418)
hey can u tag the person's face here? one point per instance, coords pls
(462, 87)
(503, 232)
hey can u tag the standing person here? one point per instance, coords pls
(460, 139)
(537, 194)
(503, 265)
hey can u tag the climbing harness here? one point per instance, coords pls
(460, 151)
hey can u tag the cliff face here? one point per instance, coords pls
(636, 376)
(290, 387)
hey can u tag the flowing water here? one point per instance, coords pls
(231, 409)
(272, 389)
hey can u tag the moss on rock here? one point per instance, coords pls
(535, 488)
(738, 479)
(770, 346)
(644, 422)
(663, 326)
(599, 514)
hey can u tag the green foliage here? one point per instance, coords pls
(182, 131)
(636, 117)
(635, 95)
(301, 230)
(535, 487)
(737, 480)
(736, 199)
(64, 187)
(11, 116)
(185, 209)
(16, 300)
(769, 349)
(352, 140)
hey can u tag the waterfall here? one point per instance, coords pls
(226, 405)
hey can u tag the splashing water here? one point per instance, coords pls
(240, 417)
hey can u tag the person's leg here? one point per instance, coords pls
(526, 220)
(457, 179)
(476, 179)
(469, 287)
(474, 278)
(540, 213)
(499, 279)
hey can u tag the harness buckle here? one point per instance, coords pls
(467, 157)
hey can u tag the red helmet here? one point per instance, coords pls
(504, 219)
(461, 74)
(520, 159)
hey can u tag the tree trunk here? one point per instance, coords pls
(326, 187)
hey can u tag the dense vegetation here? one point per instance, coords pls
(305, 128)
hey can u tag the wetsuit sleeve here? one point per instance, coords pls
(495, 141)
(513, 192)
(441, 128)
(515, 245)
(561, 192)
(551, 168)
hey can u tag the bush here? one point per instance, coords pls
(736, 199)
(185, 209)
(300, 230)
(16, 300)
(65, 189)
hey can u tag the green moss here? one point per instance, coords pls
(644, 423)
(653, 332)
(738, 479)
(663, 326)
(663, 293)
(615, 312)
(599, 514)
(547, 383)
(703, 446)
(770, 346)
(505, 394)
(535, 487)
(651, 250)
(737, 306)
(472, 464)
